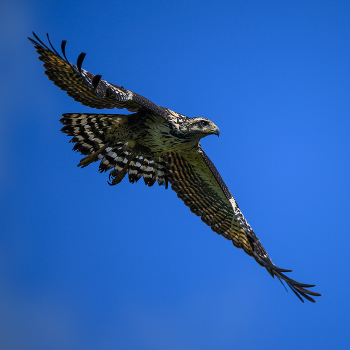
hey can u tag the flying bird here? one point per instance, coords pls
(157, 144)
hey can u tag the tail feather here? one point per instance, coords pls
(96, 137)
(134, 171)
(111, 156)
(149, 173)
(120, 169)
(161, 172)
(89, 130)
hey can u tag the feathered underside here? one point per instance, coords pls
(90, 135)
(152, 143)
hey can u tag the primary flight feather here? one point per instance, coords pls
(157, 144)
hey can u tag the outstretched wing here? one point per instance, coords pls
(198, 183)
(87, 88)
(193, 176)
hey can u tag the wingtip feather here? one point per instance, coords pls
(96, 79)
(80, 60)
(63, 49)
(53, 49)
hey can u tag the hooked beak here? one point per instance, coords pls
(216, 131)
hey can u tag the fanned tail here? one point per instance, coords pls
(152, 170)
(94, 136)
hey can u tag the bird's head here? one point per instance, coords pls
(200, 127)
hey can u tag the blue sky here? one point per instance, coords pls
(87, 266)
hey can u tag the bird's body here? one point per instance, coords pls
(157, 144)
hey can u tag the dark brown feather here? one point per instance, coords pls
(200, 186)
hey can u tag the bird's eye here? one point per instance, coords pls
(204, 123)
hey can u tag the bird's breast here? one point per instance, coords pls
(162, 138)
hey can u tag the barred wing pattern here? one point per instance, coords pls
(89, 89)
(192, 174)
(91, 135)
(200, 186)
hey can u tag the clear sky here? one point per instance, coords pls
(87, 266)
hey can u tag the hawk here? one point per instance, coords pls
(157, 144)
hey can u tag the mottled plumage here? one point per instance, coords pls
(157, 144)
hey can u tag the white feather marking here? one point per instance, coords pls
(118, 168)
(112, 154)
